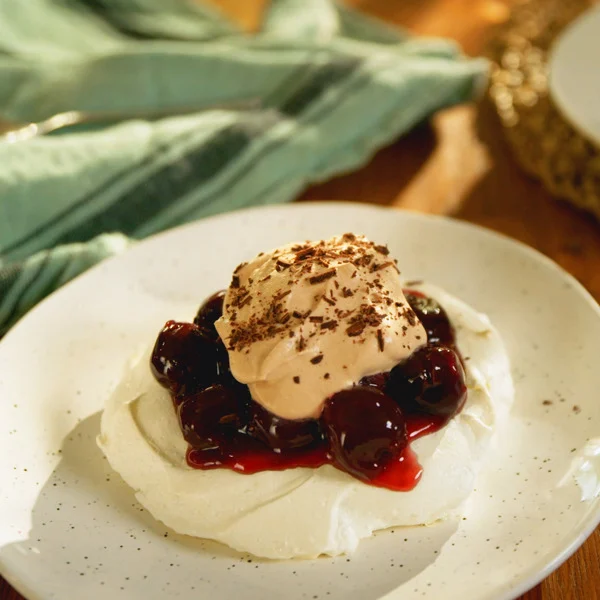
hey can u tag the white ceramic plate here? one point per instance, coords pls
(70, 528)
(575, 73)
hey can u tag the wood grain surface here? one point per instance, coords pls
(459, 165)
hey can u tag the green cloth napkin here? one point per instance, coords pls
(334, 87)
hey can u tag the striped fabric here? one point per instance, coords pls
(334, 87)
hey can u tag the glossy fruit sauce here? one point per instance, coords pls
(365, 430)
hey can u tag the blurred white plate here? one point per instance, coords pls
(575, 73)
(70, 528)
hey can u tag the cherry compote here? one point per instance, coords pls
(284, 434)
(365, 430)
(379, 381)
(208, 313)
(212, 416)
(430, 381)
(433, 317)
(184, 359)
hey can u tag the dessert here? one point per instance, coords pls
(311, 403)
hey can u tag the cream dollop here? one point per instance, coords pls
(305, 512)
(308, 320)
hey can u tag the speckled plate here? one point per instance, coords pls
(70, 528)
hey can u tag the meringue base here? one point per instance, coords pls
(304, 513)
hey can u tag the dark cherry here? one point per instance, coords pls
(434, 318)
(212, 416)
(209, 312)
(284, 434)
(378, 381)
(431, 381)
(185, 360)
(366, 431)
(222, 366)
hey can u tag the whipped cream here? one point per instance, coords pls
(307, 320)
(302, 513)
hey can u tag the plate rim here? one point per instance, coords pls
(557, 92)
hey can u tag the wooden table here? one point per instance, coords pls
(459, 165)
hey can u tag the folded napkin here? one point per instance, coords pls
(334, 86)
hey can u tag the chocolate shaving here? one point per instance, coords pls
(297, 315)
(379, 266)
(306, 268)
(296, 379)
(348, 237)
(235, 282)
(251, 331)
(315, 319)
(380, 340)
(304, 253)
(324, 276)
(410, 316)
(281, 265)
(317, 359)
(355, 329)
(368, 316)
(245, 301)
(382, 249)
(326, 376)
(347, 292)
(239, 295)
(363, 261)
(329, 325)
(239, 268)
(281, 295)
(329, 301)
(264, 279)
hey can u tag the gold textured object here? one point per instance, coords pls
(544, 143)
